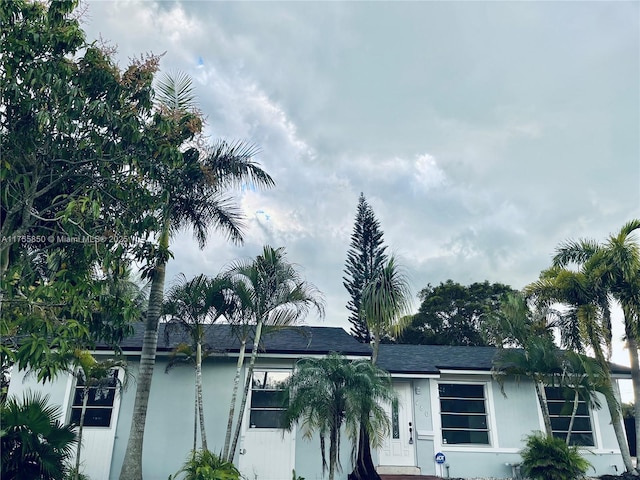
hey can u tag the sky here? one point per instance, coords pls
(482, 133)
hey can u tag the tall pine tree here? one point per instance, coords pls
(366, 257)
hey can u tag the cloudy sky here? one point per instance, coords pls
(483, 134)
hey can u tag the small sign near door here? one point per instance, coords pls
(440, 458)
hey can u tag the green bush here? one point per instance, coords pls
(204, 465)
(548, 458)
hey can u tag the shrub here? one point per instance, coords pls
(549, 458)
(204, 465)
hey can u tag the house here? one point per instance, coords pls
(452, 418)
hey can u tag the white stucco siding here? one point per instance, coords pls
(168, 436)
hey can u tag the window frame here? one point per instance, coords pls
(562, 434)
(488, 416)
(251, 408)
(112, 405)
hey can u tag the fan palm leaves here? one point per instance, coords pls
(34, 442)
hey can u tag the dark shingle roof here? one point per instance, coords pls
(433, 358)
(304, 340)
(294, 340)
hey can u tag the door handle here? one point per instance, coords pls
(410, 434)
(242, 451)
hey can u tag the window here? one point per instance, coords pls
(99, 402)
(267, 399)
(561, 403)
(463, 414)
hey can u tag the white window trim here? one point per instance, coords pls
(493, 445)
(595, 426)
(115, 408)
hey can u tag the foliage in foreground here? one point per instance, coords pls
(550, 458)
(205, 465)
(33, 441)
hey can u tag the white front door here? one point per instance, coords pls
(267, 452)
(399, 449)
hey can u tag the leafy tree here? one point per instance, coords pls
(276, 295)
(365, 258)
(326, 394)
(193, 305)
(385, 301)
(34, 442)
(454, 314)
(71, 131)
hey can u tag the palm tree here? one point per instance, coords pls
(93, 376)
(325, 394)
(34, 443)
(276, 295)
(192, 305)
(386, 304)
(586, 323)
(191, 186)
(618, 263)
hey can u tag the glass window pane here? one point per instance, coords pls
(93, 417)
(462, 406)
(473, 422)
(266, 419)
(465, 437)
(267, 399)
(456, 390)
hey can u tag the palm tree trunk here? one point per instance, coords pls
(364, 469)
(573, 416)
(83, 411)
(618, 427)
(247, 386)
(614, 406)
(195, 419)
(203, 433)
(234, 396)
(332, 453)
(542, 400)
(632, 344)
(132, 463)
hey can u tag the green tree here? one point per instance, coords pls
(617, 262)
(365, 258)
(204, 465)
(193, 188)
(386, 299)
(586, 323)
(193, 305)
(549, 458)
(34, 442)
(326, 394)
(71, 131)
(537, 358)
(277, 296)
(454, 314)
